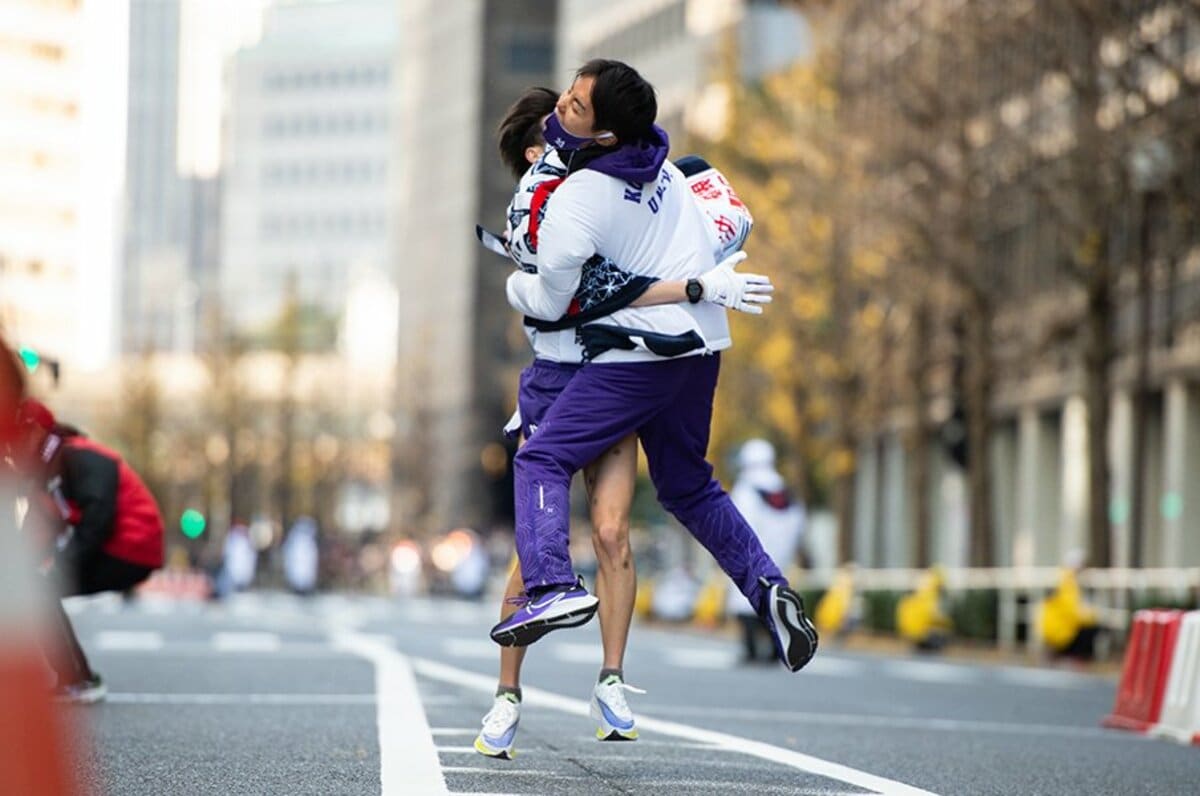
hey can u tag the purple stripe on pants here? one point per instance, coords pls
(669, 403)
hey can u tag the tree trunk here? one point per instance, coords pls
(979, 378)
(1097, 359)
(920, 447)
(1141, 388)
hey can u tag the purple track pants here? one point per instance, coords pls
(669, 403)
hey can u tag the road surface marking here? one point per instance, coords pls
(478, 648)
(246, 642)
(408, 761)
(831, 666)
(930, 672)
(578, 707)
(890, 722)
(1043, 678)
(696, 658)
(457, 750)
(141, 640)
(453, 731)
(122, 697)
(512, 772)
(575, 652)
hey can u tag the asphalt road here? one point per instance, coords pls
(270, 694)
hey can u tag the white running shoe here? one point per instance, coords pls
(611, 711)
(499, 728)
(84, 692)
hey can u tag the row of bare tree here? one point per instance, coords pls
(956, 196)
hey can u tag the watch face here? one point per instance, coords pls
(694, 290)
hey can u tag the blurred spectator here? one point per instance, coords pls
(763, 499)
(469, 578)
(239, 561)
(675, 594)
(102, 524)
(836, 614)
(921, 617)
(1068, 624)
(301, 557)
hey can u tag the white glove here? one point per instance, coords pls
(737, 291)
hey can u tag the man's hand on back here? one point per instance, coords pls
(738, 291)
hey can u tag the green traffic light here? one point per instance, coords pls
(30, 357)
(192, 523)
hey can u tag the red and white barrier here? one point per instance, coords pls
(35, 753)
(1144, 673)
(1180, 719)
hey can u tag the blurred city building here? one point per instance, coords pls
(61, 155)
(679, 46)
(460, 68)
(306, 160)
(1065, 141)
(159, 296)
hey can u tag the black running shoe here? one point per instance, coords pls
(795, 636)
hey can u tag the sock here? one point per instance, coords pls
(513, 694)
(607, 673)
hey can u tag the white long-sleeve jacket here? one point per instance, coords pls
(652, 229)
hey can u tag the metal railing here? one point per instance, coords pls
(1021, 589)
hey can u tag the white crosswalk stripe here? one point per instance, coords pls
(129, 640)
(246, 642)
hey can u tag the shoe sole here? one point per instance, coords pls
(525, 634)
(607, 732)
(496, 754)
(89, 697)
(796, 634)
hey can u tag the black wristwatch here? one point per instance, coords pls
(694, 291)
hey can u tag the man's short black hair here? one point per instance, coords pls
(521, 127)
(622, 100)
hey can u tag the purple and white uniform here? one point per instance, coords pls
(604, 286)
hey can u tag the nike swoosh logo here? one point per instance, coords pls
(551, 601)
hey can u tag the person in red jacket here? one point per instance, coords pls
(105, 525)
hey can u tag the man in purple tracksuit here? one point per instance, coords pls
(652, 370)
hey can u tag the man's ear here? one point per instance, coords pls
(532, 153)
(606, 139)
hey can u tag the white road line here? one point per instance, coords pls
(246, 642)
(408, 760)
(889, 722)
(436, 731)
(765, 751)
(477, 648)
(702, 658)
(512, 772)
(575, 652)
(140, 640)
(1043, 678)
(457, 750)
(126, 698)
(206, 648)
(746, 787)
(831, 666)
(930, 672)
